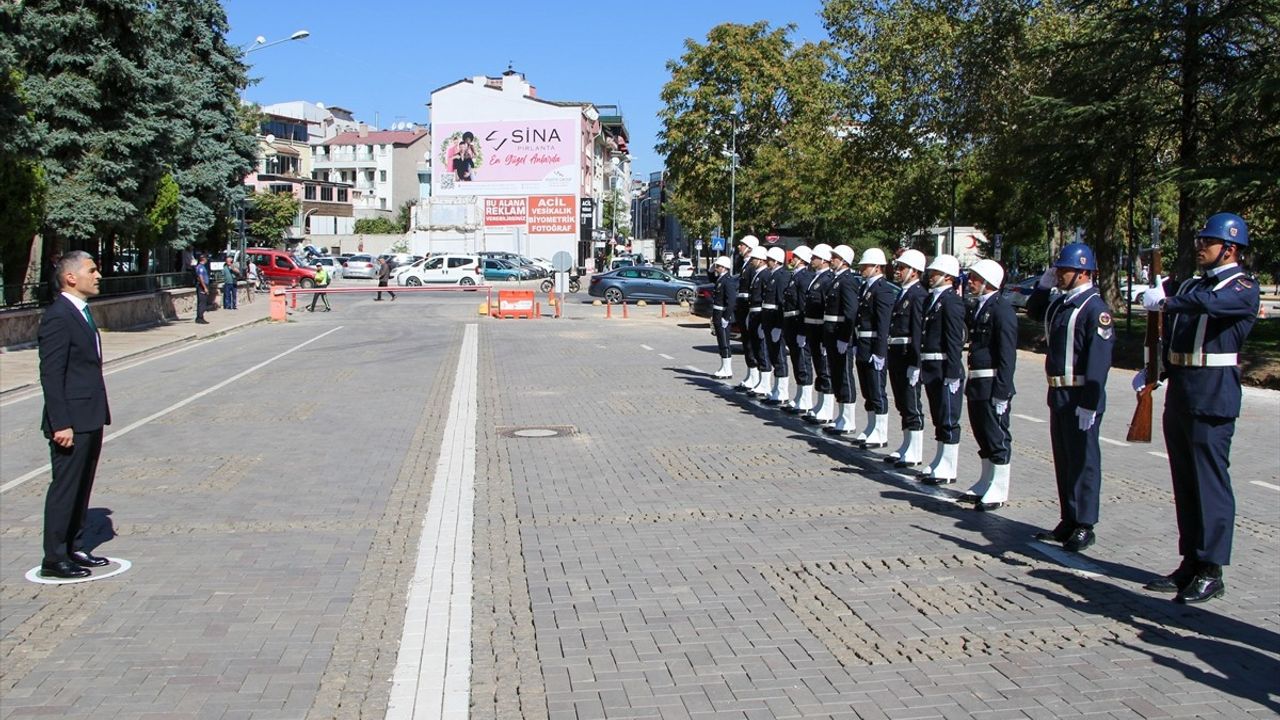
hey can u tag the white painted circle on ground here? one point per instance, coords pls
(535, 433)
(34, 574)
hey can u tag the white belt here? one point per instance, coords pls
(899, 341)
(790, 313)
(866, 333)
(933, 356)
(812, 321)
(982, 373)
(767, 306)
(1058, 381)
(831, 318)
(1203, 359)
(754, 309)
(744, 295)
(718, 307)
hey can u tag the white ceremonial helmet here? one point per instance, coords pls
(822, 251)
(946, 264)
(873, 256)
(750, 241)
(990, 271)
(804, 253)
(724, 262)
(845, 252)
(777, 254)
(758, 253)
(913, 259)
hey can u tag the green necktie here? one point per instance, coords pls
(88, 316)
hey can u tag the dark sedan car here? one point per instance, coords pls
(641, 283)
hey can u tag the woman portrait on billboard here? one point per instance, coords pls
(462, 155)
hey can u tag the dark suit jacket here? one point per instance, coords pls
(75, 395)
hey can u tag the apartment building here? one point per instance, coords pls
(381, 166)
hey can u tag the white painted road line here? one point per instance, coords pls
(183, 403)
(1265, 484)
(432, 678)
(1109, 441)
(1072, 561)
(666, 356)
(646, 347)
(1028, 418)
(1158, 454)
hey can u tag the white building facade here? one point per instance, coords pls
(381, 165)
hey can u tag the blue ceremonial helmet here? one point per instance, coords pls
(1226, 227)
(1076, 256)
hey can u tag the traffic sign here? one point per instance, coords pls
(697, 245)
(717, 243)
(562, 261)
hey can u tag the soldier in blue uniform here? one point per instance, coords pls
(754, 331)
(722, 302)
(875, 311)
(839, 319)
(794, 333)
(775, 292)
(742, 304)
(905, 328)
(1081, 333)
(815, 308)
(942, 366)
(1205, 327)
(993, 353)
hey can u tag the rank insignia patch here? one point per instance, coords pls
(1104, 320)
(1105, 332)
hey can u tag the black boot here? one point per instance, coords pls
(1175, 581)
(1205, 586)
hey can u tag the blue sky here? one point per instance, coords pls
(382, 58)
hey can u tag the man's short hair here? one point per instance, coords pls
(70, 262)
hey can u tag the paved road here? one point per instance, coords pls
(665, 549)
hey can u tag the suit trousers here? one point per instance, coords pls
(840, 364)
(793, 329)
(818, 351)
(990, 430)
(775, 349)
(944, 408)
(1199, 450)
(906, 398)
(202, 302)
(722, 334)
(67, 501)
(1077, 464)
(872, 382)
(754, 336)
(748, 333)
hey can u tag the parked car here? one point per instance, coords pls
(281, 268)
(444, 269)
(641, 283)
(495, 269)
(684, 269)
(1018, 293)
(621, 262)
(332, 265)
(534, 270)
(361, 266)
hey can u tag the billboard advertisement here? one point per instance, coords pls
(552, 214)
(500, 211)
(511, 157)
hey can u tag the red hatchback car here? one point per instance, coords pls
(279, 268)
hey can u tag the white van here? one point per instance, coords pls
(444, 270)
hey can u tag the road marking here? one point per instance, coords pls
(180, 404)
(1158, 454)
(1028, 418)
(1109, 441)
(432, 678)
(646, 347)
(1265, 484)
(1073, 561)
(122, 565)
(664, 355)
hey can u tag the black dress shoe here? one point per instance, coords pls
(1202, 588)
(871, 446)
(968, 498)
(1176, 581)
(1081, 538)
(84, 559)
(64, 569)
(1058, 534)
(831, 430)
(793, 410)
(904, 464)
(987, 507)
(931, 480)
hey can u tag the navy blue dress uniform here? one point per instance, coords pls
(839, 320)
(741, 308)
(942, 369)
(772, 321)
(815, 309)
(723, 299)
(754, 330)
(1206, 324)
(793, 329)
(906, 326)
(993, 355)
(875, 312)
(1081, 333)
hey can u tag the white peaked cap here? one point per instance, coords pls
(913, 259)
(724, 262)
(822, 251)
(990, 271)
(804, 253)
(873, 256)
(758, 253)
(750, 241)
(777, 254)
(946, 264)
(845, 252)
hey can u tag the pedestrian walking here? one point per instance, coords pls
(75, 411)
(942, 367)
(742, 304)
(993, 353)
(793, 330)
(322, 281)
(230, 278)
(1081, 333)
(838, 322)
(906, 326)
(202, 287)
(775, 345)
(384, 277)
(1205, 327)
(815, 310)
(723, 299)
(875, 312)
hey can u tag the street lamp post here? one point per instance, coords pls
(261, 42)
(954, 172)
(732, 154)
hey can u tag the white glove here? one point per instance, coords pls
(776, 334)
(1048, 279)
(724, 323)
(953, 385)
(913, 376)
(842, 347)
(1140, 380)
(760, 331)
(801, 340)
(1153, 296)
(1001, 406)
(1086, 418)
(877, 362)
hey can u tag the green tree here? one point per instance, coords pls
(377, 226)
(270, 215)
(404, 217)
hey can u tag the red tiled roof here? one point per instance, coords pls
(377, 137)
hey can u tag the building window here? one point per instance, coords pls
(280, 188)
(326, 194)
(382, 176)
(309, 192)
(383, 203)
(342, 194)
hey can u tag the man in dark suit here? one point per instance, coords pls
(75, 411)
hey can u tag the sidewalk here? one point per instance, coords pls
(20, 369)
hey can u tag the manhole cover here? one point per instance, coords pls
(535, 431)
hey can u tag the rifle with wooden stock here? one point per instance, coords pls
(1140, 425)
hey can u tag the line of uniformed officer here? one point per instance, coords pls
(875, 312)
